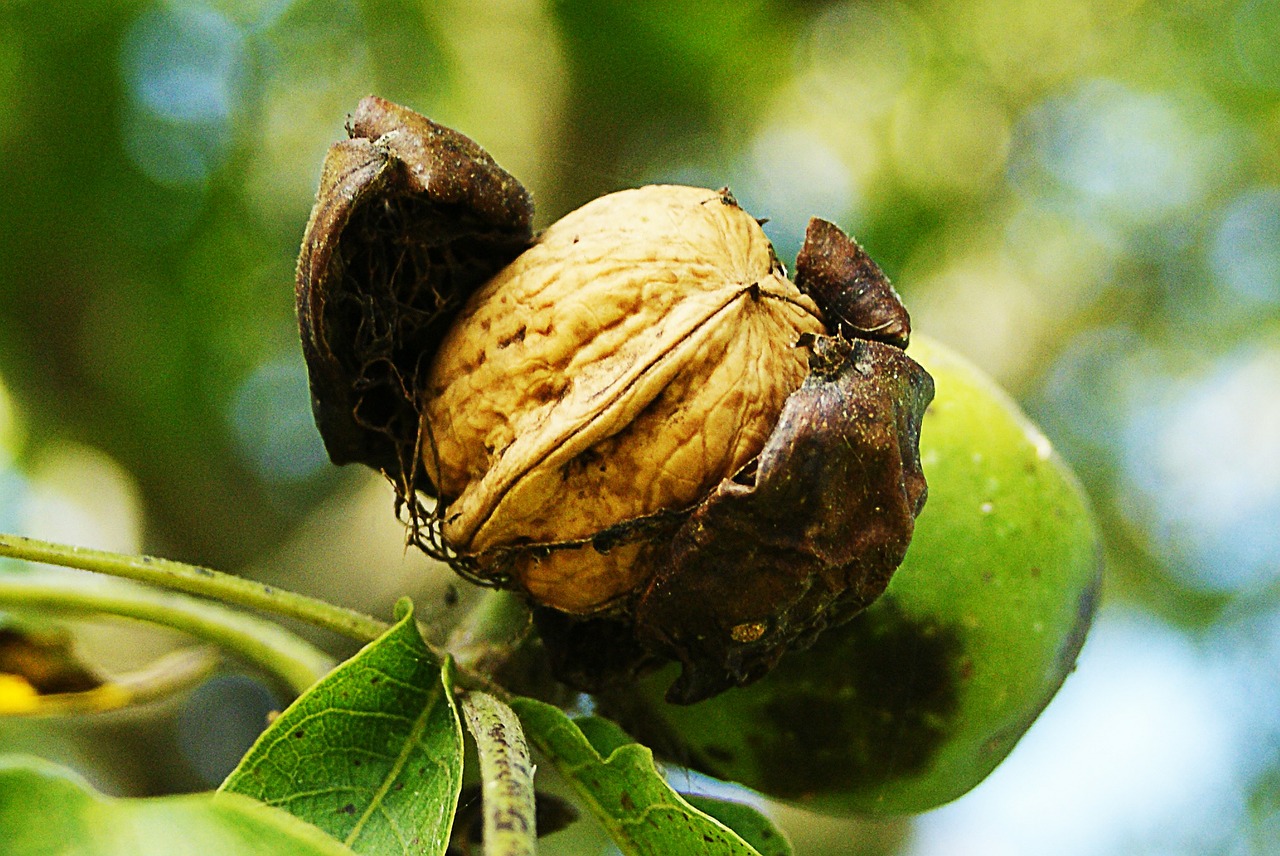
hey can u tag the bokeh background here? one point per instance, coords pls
(1083, 197)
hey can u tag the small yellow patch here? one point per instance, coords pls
(17, 695)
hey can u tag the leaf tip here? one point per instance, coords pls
(404, 608)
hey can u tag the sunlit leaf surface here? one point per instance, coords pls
(75, 819)
(621, 786)
(372, 754)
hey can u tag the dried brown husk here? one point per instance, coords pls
(783, 535)
(811, 539)
(409, 219)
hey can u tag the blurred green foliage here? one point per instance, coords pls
(1082, 197)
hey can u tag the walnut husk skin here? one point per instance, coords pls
(446, 349)
(762, 567)
(410, 218)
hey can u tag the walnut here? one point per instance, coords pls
(634, 418)
(638, 354)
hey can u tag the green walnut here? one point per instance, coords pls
(913, 702)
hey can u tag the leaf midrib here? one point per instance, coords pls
(411, 742)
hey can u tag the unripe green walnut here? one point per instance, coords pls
(916, 700)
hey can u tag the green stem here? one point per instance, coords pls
(298, 663)
(197, 580)
(194, 579)
(488, 635)
(506, 776)
(170, 674)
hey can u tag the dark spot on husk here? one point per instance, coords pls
(857, 728)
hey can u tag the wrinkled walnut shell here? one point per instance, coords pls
(801, 530)
(637, 355)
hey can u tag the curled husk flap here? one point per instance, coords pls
(856, 297)
(812, 539)
(410, 218)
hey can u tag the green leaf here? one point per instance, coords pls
(624, 790)
(46, 809)
(746, 820)
(506, 774)
(372, 754)
(605, 736)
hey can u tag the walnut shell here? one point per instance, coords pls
(632, 359)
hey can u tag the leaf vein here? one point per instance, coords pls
(411, 743)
